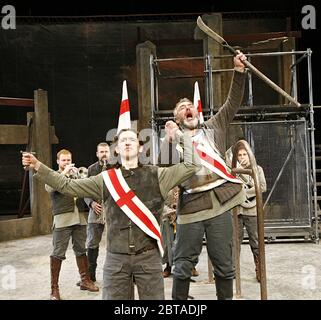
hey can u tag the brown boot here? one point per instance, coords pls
(195, 273)
(86, 283)
(257, 268)
(55, 265)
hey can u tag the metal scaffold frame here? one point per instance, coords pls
(249, 111)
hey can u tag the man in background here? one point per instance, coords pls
(69, 222)
(96, 218)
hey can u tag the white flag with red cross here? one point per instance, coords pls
(197, 102)
(124, 113)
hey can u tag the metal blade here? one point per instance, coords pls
(209, 31)
(212, 34)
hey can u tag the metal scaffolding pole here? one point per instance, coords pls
(294, 85)
(154, 105)
(312, 129)
(209, 84)
(250, 82)
(262, 114)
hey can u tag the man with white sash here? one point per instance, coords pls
(134, 197)
(206, 198)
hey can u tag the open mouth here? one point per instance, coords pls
(189, 115)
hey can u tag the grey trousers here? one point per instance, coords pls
(167, 231)
(61, 237)
(121, 269)
(250, 224)
(219, 242)
(94, 234)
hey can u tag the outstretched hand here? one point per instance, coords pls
(29, 161)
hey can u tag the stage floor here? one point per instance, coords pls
(293, 272)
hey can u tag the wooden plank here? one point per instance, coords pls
(18, 134)
(212, 48)
(286, 62)
(252, 37)
(41, 204)
(143, 54)
(17, 228)
(13, 134)
(16, 102)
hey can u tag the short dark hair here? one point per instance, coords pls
(115, 140)
(102, 144)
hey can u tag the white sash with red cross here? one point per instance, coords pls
(131, 205)
(212, 161)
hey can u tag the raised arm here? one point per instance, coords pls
(87, 187)
(174, 175)
(226, 113)
(169, 154)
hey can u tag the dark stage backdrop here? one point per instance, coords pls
(82, 62)
(82, 66)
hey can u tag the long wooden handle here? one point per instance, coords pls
(242, 144)
(212, 34)
(269, 82)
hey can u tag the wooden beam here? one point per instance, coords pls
(16, 102)
(40, 201)
(285, 74)
(144, 52)
(252, 37)
(18, 134)
(17, 228)
(243, 37)
(214, 97)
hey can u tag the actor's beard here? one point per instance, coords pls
(190, 124)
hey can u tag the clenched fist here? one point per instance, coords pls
(171, 129)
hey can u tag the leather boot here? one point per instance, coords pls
(224, 288)
(257, 268)
(180, 288)
(195, 273)
(92, 255)
(55, 265)
(86, 283)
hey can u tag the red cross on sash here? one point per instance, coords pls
(131, 205)
(212, 161)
